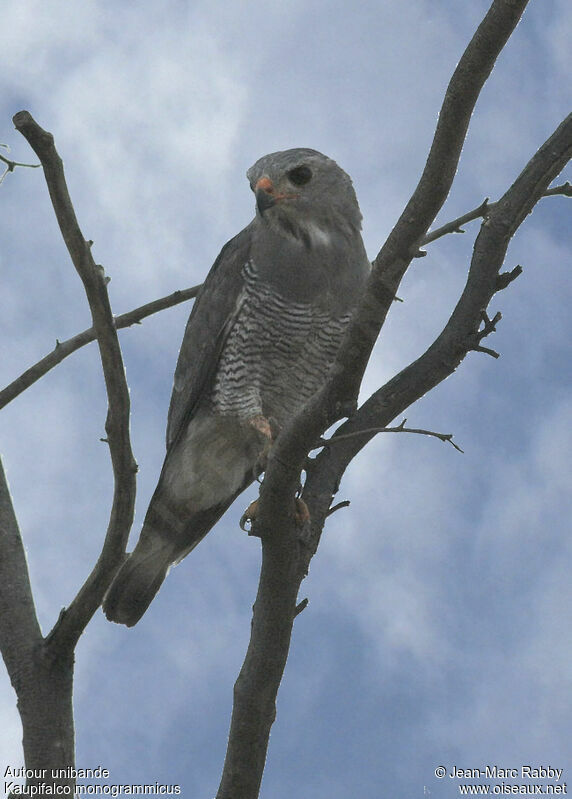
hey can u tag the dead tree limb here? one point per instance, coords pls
(11, 165)
(65, 348)
(287, 551)
(73, 620)
(461, 334)
(42, 675)
(480, 212)
(400, 428)
(43, 686)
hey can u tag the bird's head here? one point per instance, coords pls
(304, 195)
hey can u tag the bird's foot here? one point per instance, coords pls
(301, 515)
(248, 517)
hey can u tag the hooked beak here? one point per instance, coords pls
(264, 193)
(267, 196)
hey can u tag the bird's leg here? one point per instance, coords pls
(269, 428)
(262, 424)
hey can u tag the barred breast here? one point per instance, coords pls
(277, 354)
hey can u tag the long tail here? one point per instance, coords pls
(139, 579)
(166, 538)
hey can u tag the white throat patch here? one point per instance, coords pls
(318, 236)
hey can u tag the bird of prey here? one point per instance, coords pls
(262, 336)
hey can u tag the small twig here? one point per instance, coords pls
(489, 326)
(564, 188)
(301, 606)
(339, 506)
(11, 165)
(455, 226)
(447, 437)
(65, 348)
(486, 351)
(506, 278)
(481, 211)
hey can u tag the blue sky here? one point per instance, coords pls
(438, 627)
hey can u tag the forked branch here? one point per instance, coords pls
(285, 557)
(73, 620)
(19, 628)
(400, 428)
(469, 322)
(65, 348)
(480, 212)
(11, 165)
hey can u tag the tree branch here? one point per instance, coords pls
(72, 621)
(65, 348)
(481, 211)
(461, 334)
(564, 189)
(285, 555)
(455, 226)
(400, 428)
(11, 165)
(339, 397)
(504, 279)
(19, 628)
(43, 687)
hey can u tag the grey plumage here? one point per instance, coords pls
(262, 335)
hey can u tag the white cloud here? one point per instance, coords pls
(446, 580)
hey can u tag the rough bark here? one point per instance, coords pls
(43, 685)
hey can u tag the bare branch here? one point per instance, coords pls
(285, 559)
(461, 333)
(11, 165)
(339, 397)
(43, 688)
(65, 348)
(456, 225)
(372, 431)
(486, 350)
(504, 279)
(301, 606)
(489, 326)
(481, 211)
(72, 622)
(564, 189)
(19, 628)
(343, 504)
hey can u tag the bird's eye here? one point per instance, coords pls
(300, 175)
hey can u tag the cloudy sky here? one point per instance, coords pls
(439, 624)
